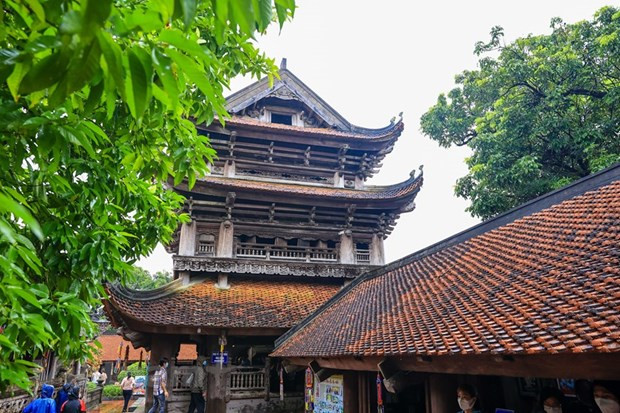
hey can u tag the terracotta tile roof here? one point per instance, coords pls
(250, 302)
(400, 190)
(110, 345)
(548, 282)
(392, 131)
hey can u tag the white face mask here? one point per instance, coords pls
(607, 405)
(466, 404)
(550, 409)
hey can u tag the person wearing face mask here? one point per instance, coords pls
(466, 397)
(552, 400)
(160, 388)
(606, 396)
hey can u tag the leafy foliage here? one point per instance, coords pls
(135, 370)
(541, 114)
(98, 101)
(111, 391)
(140, 279)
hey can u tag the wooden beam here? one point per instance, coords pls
(603, 366)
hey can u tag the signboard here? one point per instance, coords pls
(498, 410)
(328, 395)
(217, 358)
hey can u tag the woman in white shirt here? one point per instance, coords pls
(127, 385)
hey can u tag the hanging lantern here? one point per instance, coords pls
(309, 405)
(117, 366)
(281, 383)
(379, 394)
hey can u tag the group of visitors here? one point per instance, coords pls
(605, 397)
(67, 401)
(197, 383)
(100, 376)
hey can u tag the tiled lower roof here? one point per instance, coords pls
(248, 303)
(548, 282)
(404, 189)
(393, 131)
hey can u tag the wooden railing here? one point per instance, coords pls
(246, 380)
(362, 256)
(286, 253)
(179, 378)
(14, 404)
(247, 383)
(206, 249)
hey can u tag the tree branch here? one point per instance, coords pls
(585, 92)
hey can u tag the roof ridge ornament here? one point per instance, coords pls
(283, 64)
(412, 174)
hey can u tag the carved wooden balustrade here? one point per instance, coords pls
(285, 253)
(180, 375)
(14, 404)
(246, 383)
(362, 256)
(205, 249)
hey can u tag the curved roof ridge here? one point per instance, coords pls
(165, 290)
(261, 89)
(394, 191)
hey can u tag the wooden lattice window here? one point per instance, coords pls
(206, 244)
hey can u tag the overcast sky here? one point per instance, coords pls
(372, 60)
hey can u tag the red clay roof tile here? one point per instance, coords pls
(544, 283)
(249, 302)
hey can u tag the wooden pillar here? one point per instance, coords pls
(229, 169)
(442, 393)
(339, 180)
(162, 347)
(347, 248)
(267, 377)
(359, 182)
(187, 239)
(377, 252)
(350, 391)
(363, 392)
(225, 240)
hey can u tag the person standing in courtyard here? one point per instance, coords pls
(198, 388)
(103, 376)
(127, 385)
(160, 391)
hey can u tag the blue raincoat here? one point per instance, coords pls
(62, 396)
(44, 404)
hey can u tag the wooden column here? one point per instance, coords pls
(225, 240)
(347, 248)
(187, 239)
(363, 392)
(350, 391)
(442, 393)
(229, 169)
(359, 182)
(156, 354)
(377, 252)
(339, 180)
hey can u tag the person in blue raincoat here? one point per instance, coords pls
(62, 396)
(44, 404)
